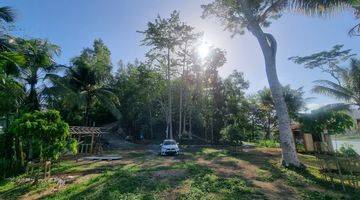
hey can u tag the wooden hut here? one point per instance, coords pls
(312, 143)
(88, 138)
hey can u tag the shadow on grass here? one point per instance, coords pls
(271, 171)
(15, 192)
(133, 182)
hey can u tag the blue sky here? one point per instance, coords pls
(74, 24)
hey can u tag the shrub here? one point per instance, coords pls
(43, 135)
(348, 150)
(231, 135)
(268, 143)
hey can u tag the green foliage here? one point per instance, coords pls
(139, 89)
(7, 14)
(231, 135)
(237, 15)
(335, 122)
(44, 133)
(345, 83)
(12, 95)
(9, 168)
(268, 143)
(39, 57)
(85, 87)
(263, 113)
(348, 151)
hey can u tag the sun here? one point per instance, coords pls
(203, 49)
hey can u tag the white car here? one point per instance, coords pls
(169, 147)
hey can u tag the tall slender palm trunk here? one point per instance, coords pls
(269, 47)
(32, 100)
(181, 104)
(169, 121)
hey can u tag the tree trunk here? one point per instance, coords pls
(268, 127)
(169, 125)
(151, 123)
(87, 111)
(31, 152)
(32, 100)
(181, 104)
(190, 122)
(212, 130)
(268, 46)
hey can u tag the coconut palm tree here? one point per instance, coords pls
(9, 59)
(348, 89)
(86, 81)
(39, 60)
(328, 7)
(7, 14)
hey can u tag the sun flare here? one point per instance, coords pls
(203, 49)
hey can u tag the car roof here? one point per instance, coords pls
(168, 140)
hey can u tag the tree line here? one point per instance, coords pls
(174, 92)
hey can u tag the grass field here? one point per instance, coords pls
(199, 173)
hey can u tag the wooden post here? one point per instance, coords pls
(308, 142)
(92, 143)
(327, 140)
(47, 171)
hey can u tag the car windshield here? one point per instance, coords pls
(169, 142)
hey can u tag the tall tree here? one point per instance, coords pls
(188, 38)
(139, 89)
(345, 83)
(214, 92)
(39, 61)
(238, 15)
(86, 82)
(266, 113)
(163, 36)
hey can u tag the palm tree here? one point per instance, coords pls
(328, 7)
(86, 82)
(348, 89)
(39, 61)
(9, 59)
(7, 14)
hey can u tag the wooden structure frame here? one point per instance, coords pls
(340, 169)
(307, 139)
(35, 169)
(81, 133)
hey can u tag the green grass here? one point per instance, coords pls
(204, 174)
(268, 144)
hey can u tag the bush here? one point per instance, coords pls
(9, 168)
(348, 151)
(42, 135)
(231, 135)
(268, 144)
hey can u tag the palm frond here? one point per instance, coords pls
(335, 86)
(320, 7)
(355, 31)
(109, 101)
(7, 14)
(331, 92)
